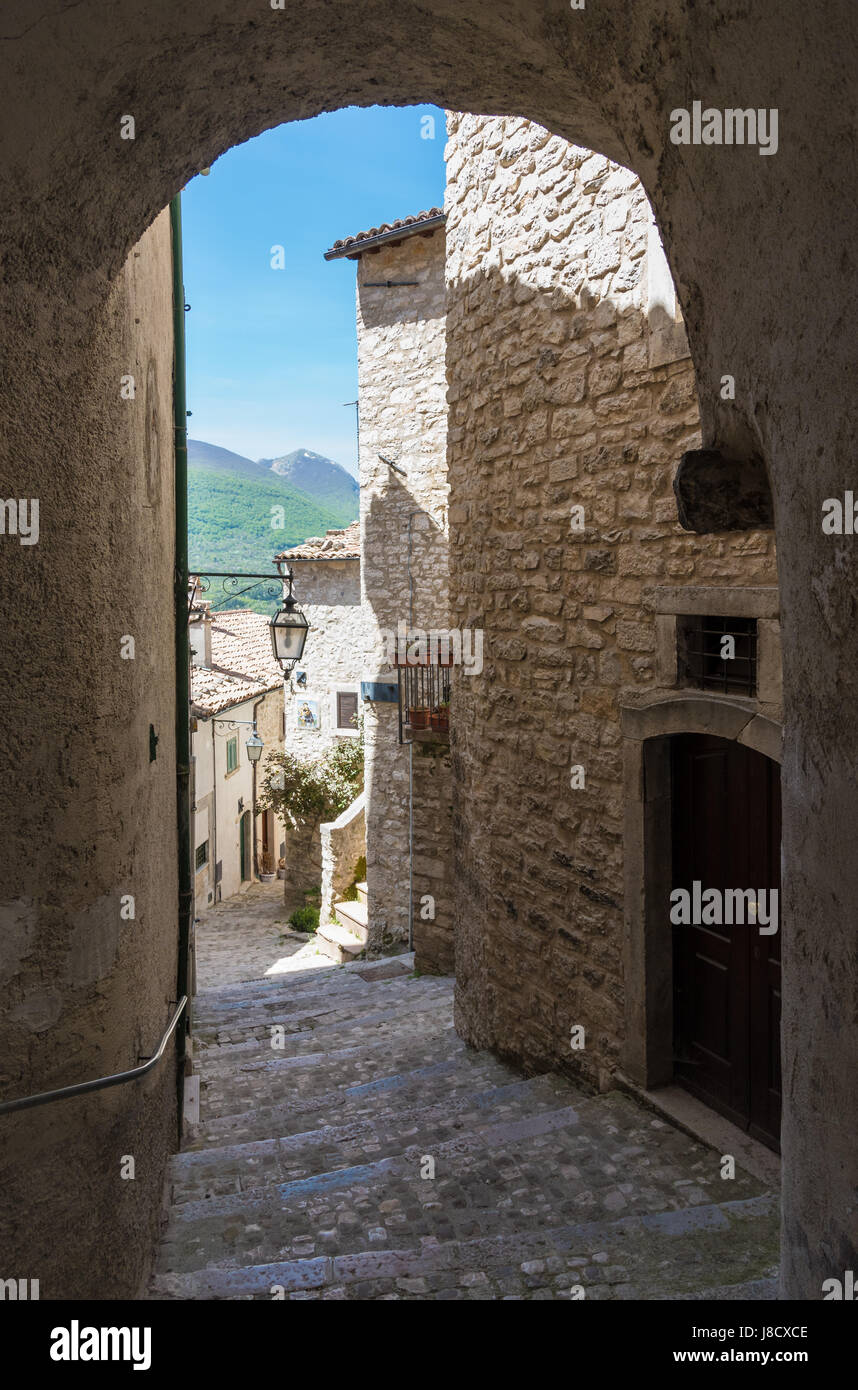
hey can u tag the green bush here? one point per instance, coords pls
(313, 790)
(305, 919)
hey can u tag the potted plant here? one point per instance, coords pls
(267, 874)
(418, 717)
(281, 868)
(439, 719)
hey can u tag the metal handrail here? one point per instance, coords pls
(102, 1082)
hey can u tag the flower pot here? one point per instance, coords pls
(267, 878)
(418, 718)
(281, 873)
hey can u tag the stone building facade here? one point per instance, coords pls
(572, 398)
(327, 586)
(403, 515)
(235, 683)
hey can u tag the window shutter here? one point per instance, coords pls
(347, 704)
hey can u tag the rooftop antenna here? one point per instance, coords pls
(356, 405)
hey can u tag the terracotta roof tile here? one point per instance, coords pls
(243, 665)
(343, 544)
(405, 226)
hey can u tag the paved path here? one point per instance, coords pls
(243, 939)
(310, 1175)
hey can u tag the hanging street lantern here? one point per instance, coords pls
(254, 746)
(288, 630)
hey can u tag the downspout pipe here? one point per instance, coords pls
(182, 653)
(257, 706)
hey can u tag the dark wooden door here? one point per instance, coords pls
(244, 846)
(726, 834)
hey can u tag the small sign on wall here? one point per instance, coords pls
(307, 714)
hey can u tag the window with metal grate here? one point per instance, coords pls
(717, 653)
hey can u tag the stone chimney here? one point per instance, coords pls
(200, 628)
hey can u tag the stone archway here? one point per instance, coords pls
(765, 295)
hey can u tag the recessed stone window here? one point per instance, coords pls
(716, 652)
(691, 622)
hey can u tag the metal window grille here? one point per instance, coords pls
(424, 696)
(202, 854)
(702, 659)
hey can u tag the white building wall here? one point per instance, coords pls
(335, 655)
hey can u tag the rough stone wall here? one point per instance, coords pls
(432, 888)
(86, 816)
(403, 416)
(568, 387)
(343, 844)
(764, 288)
(328, 592)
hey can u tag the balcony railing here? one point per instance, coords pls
(424, 701)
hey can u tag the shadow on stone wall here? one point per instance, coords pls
(559, 399)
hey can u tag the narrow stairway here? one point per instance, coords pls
(363, 1151)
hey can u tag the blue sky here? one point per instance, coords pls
(272, 354)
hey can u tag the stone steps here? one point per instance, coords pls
(329, 987)
(357, 977)
(362, 892)
(218, 1171)
(354, 916)
(265, 1043)
(487, 1180)
(313, 1014)
(629, 1258)
(229, 1090)
(308, 1170)
(461, 1073)
(339, 942)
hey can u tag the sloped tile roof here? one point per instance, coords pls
(353, 246)
(243, 665)
(341, 544)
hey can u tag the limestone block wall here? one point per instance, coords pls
(403, 417)
(88, 816)
(336, 650)
(569, 387)
(432, 889)
(343, 843)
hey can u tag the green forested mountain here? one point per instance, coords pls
(234, 516)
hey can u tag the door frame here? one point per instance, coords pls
(647, 1053)
(245, 832)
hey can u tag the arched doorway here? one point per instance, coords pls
(725, 847)
(701, 1010)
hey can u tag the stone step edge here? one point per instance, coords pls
(391, 1085)
(217, 1052)
(190, 1159)
(255, 1199)
(210, 1016)
(341, 935)
(295, 981)
(354, 916)
(480, 1252)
